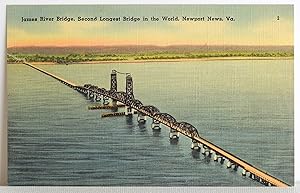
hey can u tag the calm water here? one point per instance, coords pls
(246, 107)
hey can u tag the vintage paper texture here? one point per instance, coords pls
(150, 95)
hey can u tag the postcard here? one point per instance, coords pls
(150, 95)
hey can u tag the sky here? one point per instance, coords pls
(253, 25)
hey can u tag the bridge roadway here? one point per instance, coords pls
(256, 173)
(66, 82)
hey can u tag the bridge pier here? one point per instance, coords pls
(96, 97)
(229, 164)
(155, 124)
(264, 182)
(174, 134)
(244, 172)
(235, 167)
(217, 157)
(141, 118)
(91, 96)
(205, 151)
(195, 145)
(210, 152)
(128, 111)
(252, 176)
(222, 160)
(105, 100)
(88, 94)
(257, 178)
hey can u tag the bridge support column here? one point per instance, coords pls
(128, 111)
(222, 160)
(174, 134)
(105, 100)
(257, 178)
(91, 95)
(244, 172)
(207, 152)
(229, 164)
(264, 182)
(99, 98)
(210, 152)
(155, 124)
(96, 97)
(235, 167)
(113, 84)
(141, 118)
(216, 157)
(203, 149)
(88, 94)
(195, 145)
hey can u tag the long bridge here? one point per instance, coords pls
(133, 105)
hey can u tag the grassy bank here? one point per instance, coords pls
(155, 56)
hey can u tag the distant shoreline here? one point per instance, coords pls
(169, 60)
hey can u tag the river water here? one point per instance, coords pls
(243, 106)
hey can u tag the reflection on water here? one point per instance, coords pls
(246, 107)
(156, 132)
(196, 154)
(142, 126)
(174, 141)
(129, 120)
